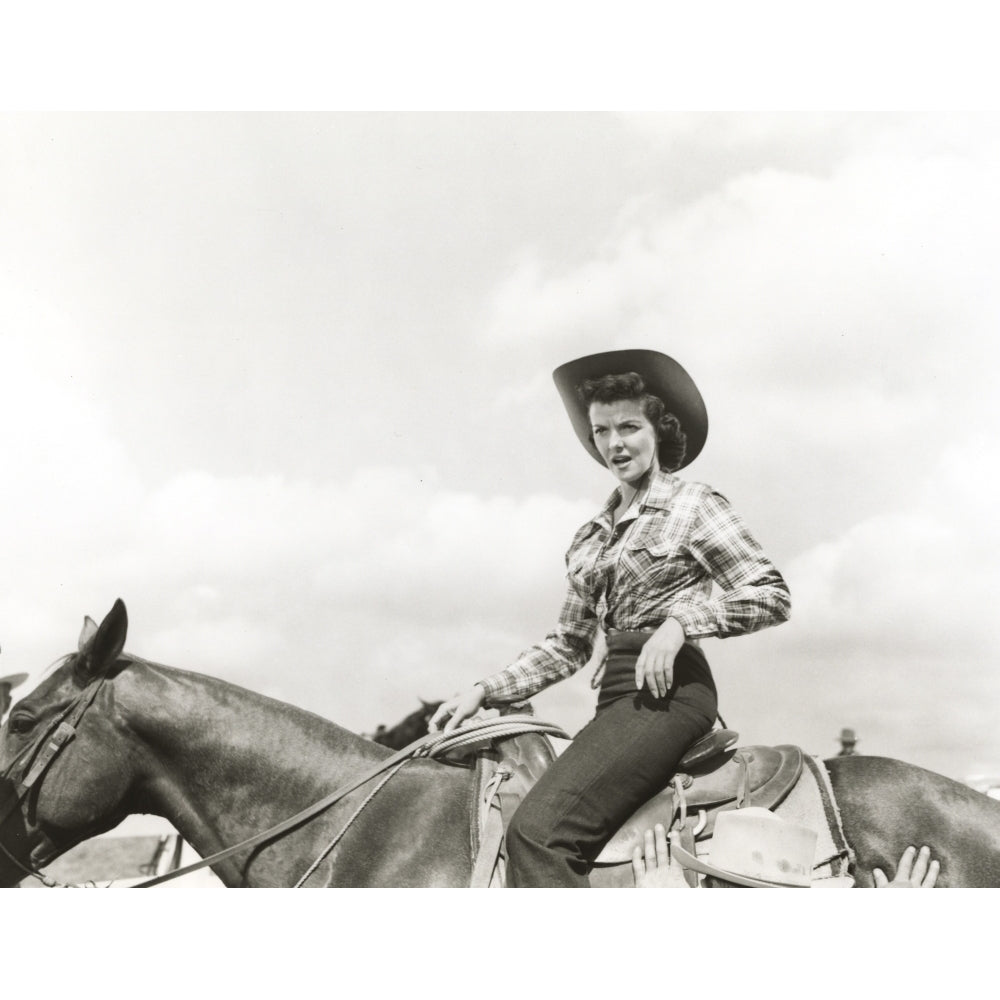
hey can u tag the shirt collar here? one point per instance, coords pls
(660, 492)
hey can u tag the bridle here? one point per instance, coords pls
(27, 769)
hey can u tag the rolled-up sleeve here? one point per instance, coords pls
(753, 593)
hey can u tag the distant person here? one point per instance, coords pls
(754, 848)
(665, 563)
(847, 743)
(7, 685)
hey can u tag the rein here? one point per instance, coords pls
(482, 731)
(40, 756)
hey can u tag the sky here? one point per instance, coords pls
(282, 382)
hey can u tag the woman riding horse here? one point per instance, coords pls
(106, 734)
(642, 570)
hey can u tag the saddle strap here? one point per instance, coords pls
(686, 838)
(743, 758)
(680, 817)
(492, 838)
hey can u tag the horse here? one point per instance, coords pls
(408, 729)
(222, 763)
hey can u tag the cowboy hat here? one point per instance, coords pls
(753, 847)
(663, 377)
(13, 680)
(847, 735)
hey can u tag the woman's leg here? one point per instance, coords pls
(626, 754)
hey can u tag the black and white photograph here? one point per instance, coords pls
(499, 499)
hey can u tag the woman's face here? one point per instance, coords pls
(625, 439)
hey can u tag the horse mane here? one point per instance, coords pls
(313, 723)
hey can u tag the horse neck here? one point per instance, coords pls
(222, 763)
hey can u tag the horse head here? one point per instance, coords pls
(409, 729)
(64, 772)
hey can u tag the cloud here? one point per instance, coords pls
(538, 299)
(837, 307)
(349, 597)
(911, 579)
(892, 245)
(829, 282)
(349, 594)
(891, 630)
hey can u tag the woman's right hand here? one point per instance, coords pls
(459, 708)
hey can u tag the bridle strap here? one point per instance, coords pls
(56, 737)
(48, 747)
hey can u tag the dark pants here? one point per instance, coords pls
(627, 753)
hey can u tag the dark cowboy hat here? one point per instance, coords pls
(14, 679)
(663, 376)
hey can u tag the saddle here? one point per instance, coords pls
(756, 775)
(712, 777)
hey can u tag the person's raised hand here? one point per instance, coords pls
(914, 871)
(651, 866)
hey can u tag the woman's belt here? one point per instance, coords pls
(623, 648)
(619, 641)
(616, 675)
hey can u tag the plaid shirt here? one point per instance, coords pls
(660, 563)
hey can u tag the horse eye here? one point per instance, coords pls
(21, 724)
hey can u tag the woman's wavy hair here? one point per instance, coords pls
(672, 441)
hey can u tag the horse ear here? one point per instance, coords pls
(103, 648)
(87, 634)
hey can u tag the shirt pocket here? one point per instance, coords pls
(649, 551)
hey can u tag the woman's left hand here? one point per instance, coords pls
(655, 665)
